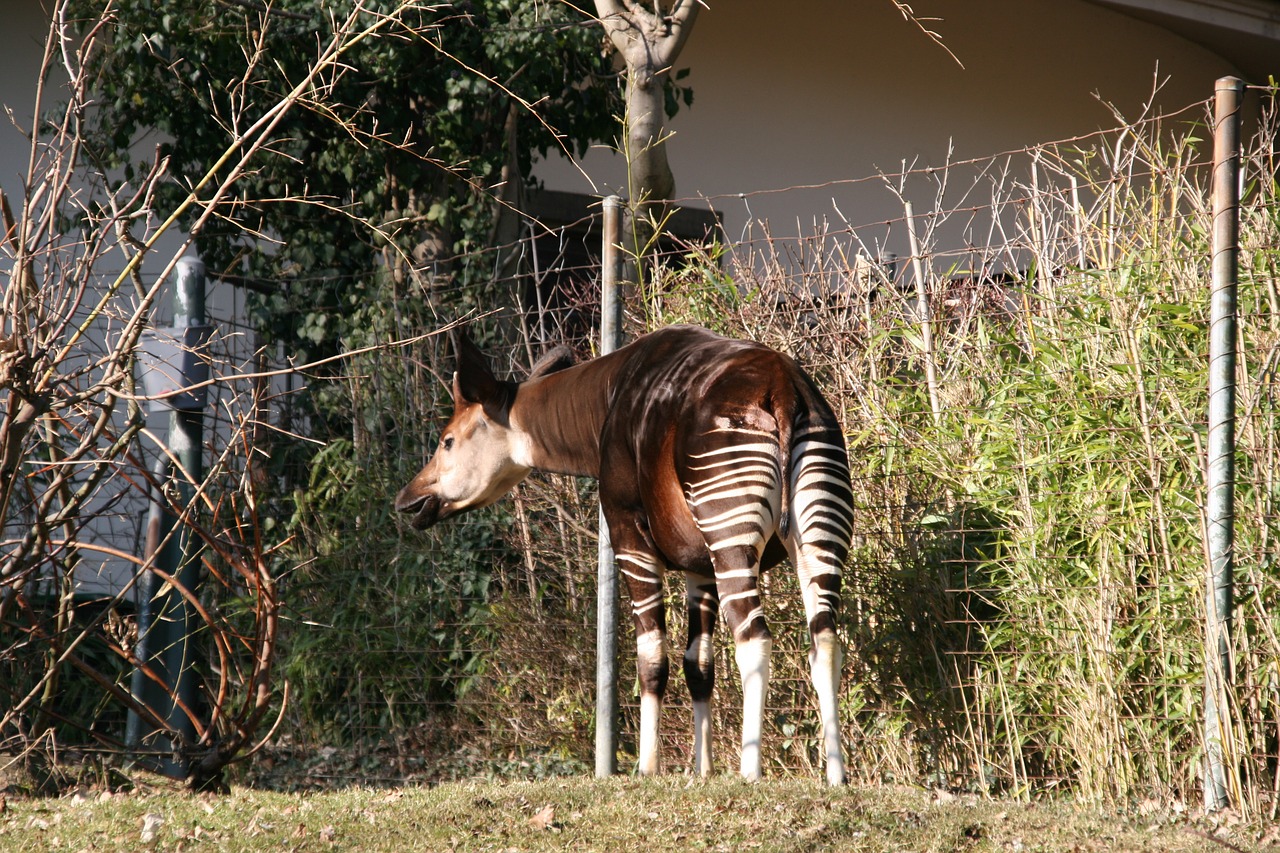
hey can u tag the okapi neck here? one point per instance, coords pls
(560, 417)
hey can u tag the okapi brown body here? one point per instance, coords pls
(716, 458)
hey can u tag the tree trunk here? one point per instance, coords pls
(649, 42)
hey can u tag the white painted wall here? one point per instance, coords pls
(24, 26)
(798, 94)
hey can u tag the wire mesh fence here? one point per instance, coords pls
(1024, 606)
(1019, 362)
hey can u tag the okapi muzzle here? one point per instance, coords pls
(418, 500)
(717, 459)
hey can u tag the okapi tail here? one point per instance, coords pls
(784, 413)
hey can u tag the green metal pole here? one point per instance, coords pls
(1220, 497)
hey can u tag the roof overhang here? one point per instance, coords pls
(1244, 32)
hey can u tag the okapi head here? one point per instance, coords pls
(481, 455)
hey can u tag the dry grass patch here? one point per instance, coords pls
(618, 815)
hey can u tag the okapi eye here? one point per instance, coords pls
(447, 444)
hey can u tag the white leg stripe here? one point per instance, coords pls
(650, 715)
(825, 664)
(651, 646)
(702, 738)
(754, 539)
(726, 600)
(700, 651)
(647, 604)
(752, 657)
(764, 448)
(744, 470)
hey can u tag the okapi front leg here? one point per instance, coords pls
(643, 573)
(703, 604)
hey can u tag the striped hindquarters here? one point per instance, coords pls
(734, 492)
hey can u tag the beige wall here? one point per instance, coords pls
(807, 93)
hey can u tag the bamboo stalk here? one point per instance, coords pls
(924, 316)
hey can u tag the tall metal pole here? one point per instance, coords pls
(1220, 499)
(167, 621)
(606, 568)
(144, 690)
(186, 440)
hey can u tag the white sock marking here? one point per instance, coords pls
(752, 657)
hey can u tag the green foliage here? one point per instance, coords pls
(1025, 598)
(396, 163)
(73, 705)
(692, 286)
(386, 630)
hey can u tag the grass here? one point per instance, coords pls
(620, 814)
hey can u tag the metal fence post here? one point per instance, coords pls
(186, 440)
(606, 569)
(1220, 471)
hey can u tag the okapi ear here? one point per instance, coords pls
(472, 381)
(553, 361)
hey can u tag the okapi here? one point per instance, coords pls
(715, 457)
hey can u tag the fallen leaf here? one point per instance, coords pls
(151, 823)
(329, 834)
(544, 819)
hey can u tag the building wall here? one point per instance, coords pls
(118, 521)
(801, 94)
(25, 26)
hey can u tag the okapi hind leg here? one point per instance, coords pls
(735, 499)
(818, 544)
(737, 578)
(820, 589)
(752, 657)
(643, 572)
(826, 659)
(700, 663)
